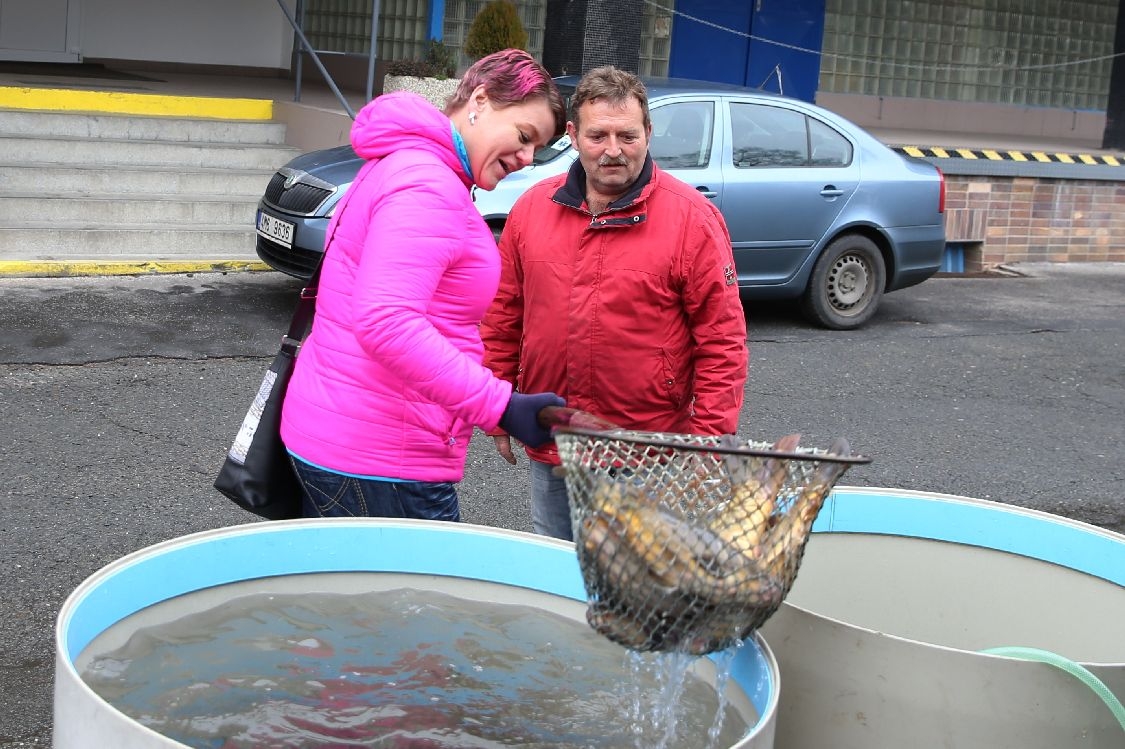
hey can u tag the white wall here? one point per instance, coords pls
(251, 33)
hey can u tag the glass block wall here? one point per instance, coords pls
(459, 14)
(345, 26)
(656, 39)
(1023, 52)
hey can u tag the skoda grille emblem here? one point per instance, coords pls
(291, 180)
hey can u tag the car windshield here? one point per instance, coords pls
(556, 146)
(552, 150)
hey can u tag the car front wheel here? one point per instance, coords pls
(846, 284)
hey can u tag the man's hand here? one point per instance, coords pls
(504, 447)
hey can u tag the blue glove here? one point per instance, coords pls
(521, 417)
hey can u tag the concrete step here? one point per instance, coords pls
(60, 242)
(98, 179)
(82, 186)
(131, 127)
(158, 210)
(64, 150)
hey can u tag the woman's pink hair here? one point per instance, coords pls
(510, 76)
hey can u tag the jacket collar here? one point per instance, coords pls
(572, 193)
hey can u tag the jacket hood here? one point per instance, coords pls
(400, 120)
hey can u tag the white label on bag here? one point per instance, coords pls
(250, 424)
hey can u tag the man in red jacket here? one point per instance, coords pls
(617, 291)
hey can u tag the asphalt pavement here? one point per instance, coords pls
(120, 396)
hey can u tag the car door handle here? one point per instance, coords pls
(707, 193)
(831, 191)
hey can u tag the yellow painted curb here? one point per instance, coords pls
(62, 269)
(116, 102)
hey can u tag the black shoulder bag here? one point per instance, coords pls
(257, 474)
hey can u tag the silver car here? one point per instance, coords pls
(818, 209)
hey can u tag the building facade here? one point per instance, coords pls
(981, 65)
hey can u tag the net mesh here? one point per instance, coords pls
(690, 543)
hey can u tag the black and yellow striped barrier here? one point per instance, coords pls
(989, 154)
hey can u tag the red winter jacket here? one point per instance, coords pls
(632, 315)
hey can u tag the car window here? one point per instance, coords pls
(829, 148)
(768, 136)
(682, 134)
(560, 144)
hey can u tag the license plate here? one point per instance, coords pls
(276, 229)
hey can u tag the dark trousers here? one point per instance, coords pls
(333, 495)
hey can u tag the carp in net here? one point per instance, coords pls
(690, 543)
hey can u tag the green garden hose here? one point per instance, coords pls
(1076, 670)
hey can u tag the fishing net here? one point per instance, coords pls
(689, 543)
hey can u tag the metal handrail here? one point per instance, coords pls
(306, 47)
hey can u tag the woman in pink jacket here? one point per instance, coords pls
(389, 383)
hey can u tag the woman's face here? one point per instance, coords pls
(503, 140)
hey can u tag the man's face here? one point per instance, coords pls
(612, 142)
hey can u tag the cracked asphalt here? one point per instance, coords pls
(119, 397)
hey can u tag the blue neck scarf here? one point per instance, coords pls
(462, 153)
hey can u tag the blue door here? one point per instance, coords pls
(750, 43)
(706, 52)
(788, 70)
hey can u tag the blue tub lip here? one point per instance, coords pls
(177, 566)
(973, 522)
(257, 556)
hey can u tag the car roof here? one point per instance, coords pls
(668, 86)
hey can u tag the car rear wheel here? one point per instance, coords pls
(846, 284)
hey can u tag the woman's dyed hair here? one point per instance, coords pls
(510, 76)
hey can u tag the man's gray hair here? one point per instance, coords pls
(613, 85)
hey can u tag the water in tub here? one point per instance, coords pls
(396, 668)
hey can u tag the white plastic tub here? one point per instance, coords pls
(264, 553)
(879, 642)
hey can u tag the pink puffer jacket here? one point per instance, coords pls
(390, 382)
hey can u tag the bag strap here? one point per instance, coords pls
(301, 323)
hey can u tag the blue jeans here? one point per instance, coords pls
(550, 509)
(334, 495)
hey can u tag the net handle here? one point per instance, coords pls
(654, 440)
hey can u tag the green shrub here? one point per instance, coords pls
(416, 68)
(438, 63)
(440, 59)
(497, 26)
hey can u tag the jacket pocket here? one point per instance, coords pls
(432, 418)
(674, 381)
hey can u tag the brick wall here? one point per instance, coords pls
(1026, 219)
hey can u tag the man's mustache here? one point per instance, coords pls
(613, 161)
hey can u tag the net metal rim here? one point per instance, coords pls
(662, 439)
